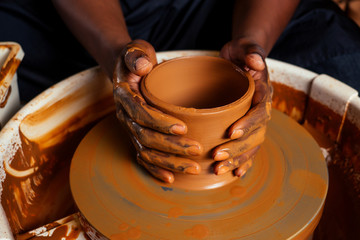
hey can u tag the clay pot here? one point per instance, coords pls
(209, 94)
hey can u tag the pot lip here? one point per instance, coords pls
(196, 111)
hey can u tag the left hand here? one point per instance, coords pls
(247, 133)
(157, 136)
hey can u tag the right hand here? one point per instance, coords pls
(156, 136)
(248, 133)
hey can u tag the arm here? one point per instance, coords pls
(262, 20)
(99, 26)
(257, 24)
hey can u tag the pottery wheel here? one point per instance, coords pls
(281, 197)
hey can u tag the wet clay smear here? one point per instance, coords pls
(36, 188)
(106, 181)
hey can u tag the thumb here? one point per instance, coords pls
(140, 57)
(137, 62)
(255, 62)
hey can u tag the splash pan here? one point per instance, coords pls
(282, 196)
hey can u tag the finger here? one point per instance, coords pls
(236, 147)
(164, 160)
(237, 51)
(262, 91)
(235, 162)
(137, 62)
(163, 142)
(145, 115)
(140, 57)
(256, 118)
(157, 172)
(242, 170)
(255, 62)
(169, 161)
(120, 113)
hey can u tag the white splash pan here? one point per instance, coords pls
(11, 55)
(91, 86)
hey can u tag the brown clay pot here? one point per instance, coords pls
(209, 94)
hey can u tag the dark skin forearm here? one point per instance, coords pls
(257, 24)
(99, 26)
(262, 20)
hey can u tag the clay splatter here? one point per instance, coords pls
(238, 191)
(319, 185)
(175, 212)
(198, 231)
(132, 233)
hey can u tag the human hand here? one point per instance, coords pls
(247, 133)
(155, 135)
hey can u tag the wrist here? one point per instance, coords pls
(258, 38)
(110, 50)
(249, 44)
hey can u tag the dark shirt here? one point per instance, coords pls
(319, 37)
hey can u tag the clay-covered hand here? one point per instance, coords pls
(156, 136)
(246, 134)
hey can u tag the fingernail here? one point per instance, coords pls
(141, 63)
(193, 170)
(221, 155)
(255, 57)
(169, 179)
(240, 172)
(237, 133)
(178, 129)
(194, 150)
(222, 170)
(255, 61)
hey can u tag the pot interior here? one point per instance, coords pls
(197, 82)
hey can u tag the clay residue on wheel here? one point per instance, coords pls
(289, 100)
(324, 119)
(36, 187)
(127, 197)
(8, 69)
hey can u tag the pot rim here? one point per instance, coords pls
(197, 111)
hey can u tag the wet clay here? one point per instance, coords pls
(282, 196)
(8, 69)
(198, 231)
(36, 188)
(61, 233)
(29, 201)
(341, 216)
(323, 119)
(208, 94)
(196, 83)
(289, 100)
(320, 137)
(5, 98)
(350, 160)
(67, 228)
(45, 228)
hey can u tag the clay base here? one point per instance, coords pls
(281, 197)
